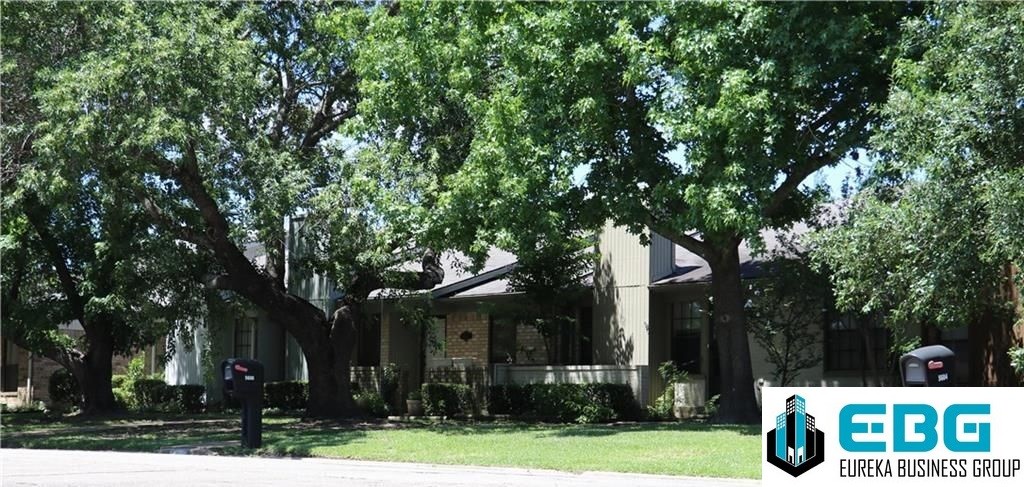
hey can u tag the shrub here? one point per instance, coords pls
(118, 381)
(1017, 360)
(148, 394)
(664, 405)
(64, 388)
(447, 399)
(372, 404)
(186, 398)
(583, 403)
(711, 406)
(123, 398)
(389, 380)
(286, 395)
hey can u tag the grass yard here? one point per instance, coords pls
(667, 448)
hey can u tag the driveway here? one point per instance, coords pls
(23, 467)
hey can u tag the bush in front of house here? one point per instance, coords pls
(64, 388)
(581, 403)
(664, 405)
(288, 395)
(187, 398)
(440, 399)
(371, 403)
(150, 394)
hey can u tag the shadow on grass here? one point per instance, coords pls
(577, 430)
(288, 444)
(688, 427)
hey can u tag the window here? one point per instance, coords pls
(853, 343)
(687, 325)
(434, 338)
(245, 338)
(503, 341)
(368, 342)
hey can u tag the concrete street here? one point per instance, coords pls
(19, 467)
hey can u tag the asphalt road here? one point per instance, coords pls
(19, 467)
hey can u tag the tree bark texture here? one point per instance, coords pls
(738, 402)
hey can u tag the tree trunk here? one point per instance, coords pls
(993, 334)
(97, 392)
(328, 352)
(330, 392)
(738, 403)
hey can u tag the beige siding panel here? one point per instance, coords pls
(623, 258)
(621, 299)
(620, 326)
(662, 257)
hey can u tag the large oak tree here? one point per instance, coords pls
(76, 250)
(700, 121)
(223, 122)
(935, 237)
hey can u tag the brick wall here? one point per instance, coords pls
(476, 348)
(530, 348)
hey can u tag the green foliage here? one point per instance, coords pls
(711, 406)
(370, 402)
(581, 403)
(286, 395)
(1017, 360)
(415, 395)
(929, 239)
(448, 399)
(150, 394)
(550, 275)
(118, 381)
(64, 388)
(390, 380)
(187, 398)
(785, 311)
(697, 120)
(518, 96)
(664, 405)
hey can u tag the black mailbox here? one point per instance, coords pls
(243, 380)
(930, 366)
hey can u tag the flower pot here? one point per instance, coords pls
(414, 407)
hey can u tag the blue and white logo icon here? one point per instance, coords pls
(795, 445)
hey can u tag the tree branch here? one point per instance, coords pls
(685, 241)
(67, 357)
(163, 219)
(431, 275)
(37, 216)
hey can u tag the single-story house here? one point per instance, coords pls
(25, 377)
(648, 304)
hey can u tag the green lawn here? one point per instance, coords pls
(668, 448)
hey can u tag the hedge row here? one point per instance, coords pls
(441, 399)
(294, 395)
(582, 403)
(154, 394)
(286, 395)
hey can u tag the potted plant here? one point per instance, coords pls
(414, 403)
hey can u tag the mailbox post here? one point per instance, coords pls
(930, 366)
(243, 380)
